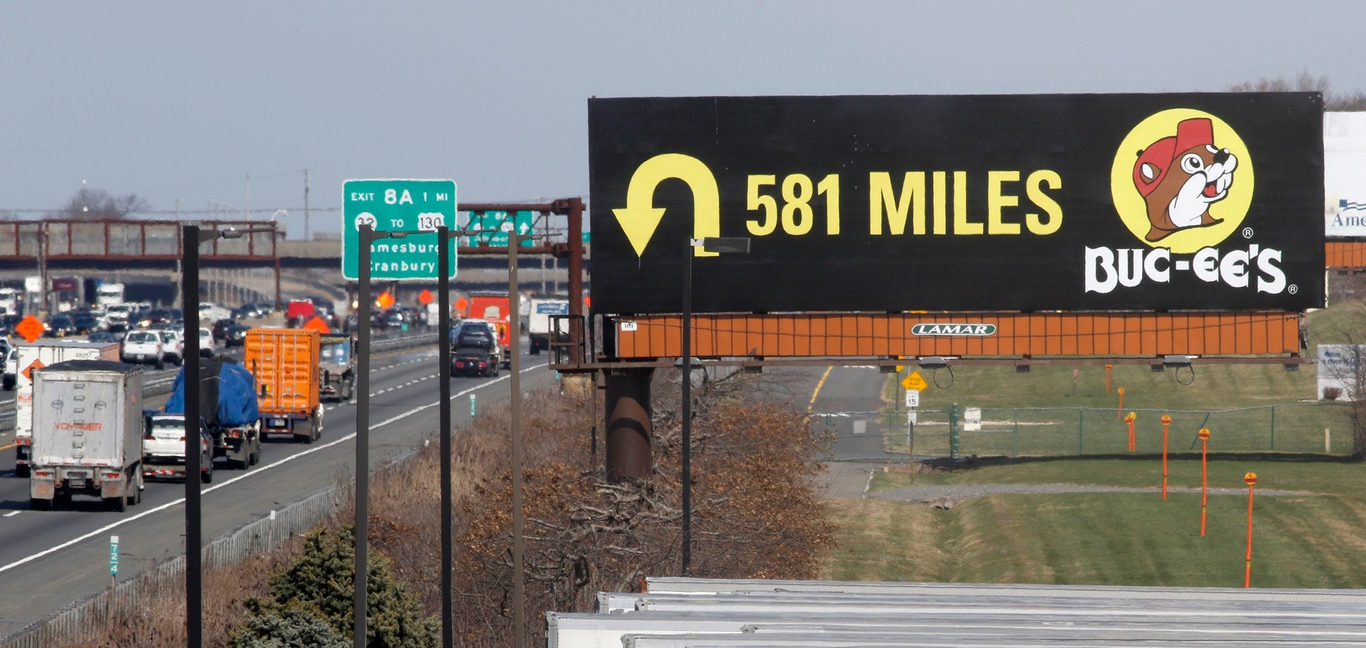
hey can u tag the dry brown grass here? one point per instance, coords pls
(156, 619)
(756, 515)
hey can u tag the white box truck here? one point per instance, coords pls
(87, 434)
(539, 323)
(109, 294)
(31, 357)
(10, 300)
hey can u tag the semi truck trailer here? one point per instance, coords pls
(32, 357)
(87, 434)
(285, 364)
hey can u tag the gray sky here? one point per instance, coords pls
(185, 99)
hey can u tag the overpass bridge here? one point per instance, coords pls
(260, 266)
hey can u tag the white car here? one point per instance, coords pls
(164, 445)
(172, 345)
(117, 314)
(213, 312)
(205, 342)
(143, 347)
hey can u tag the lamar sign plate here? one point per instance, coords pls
(945, 329)
(397, 206)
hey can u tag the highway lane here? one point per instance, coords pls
(850, 395)
(403, 412)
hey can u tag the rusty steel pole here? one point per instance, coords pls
(629, 430)
(576, 332)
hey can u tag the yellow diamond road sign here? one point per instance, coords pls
(914, 381)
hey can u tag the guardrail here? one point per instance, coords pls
(160, 382)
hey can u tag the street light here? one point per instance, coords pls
(723, 245)
(192, 237)
(368, 236)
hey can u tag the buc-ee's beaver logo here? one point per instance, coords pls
(1182, 182)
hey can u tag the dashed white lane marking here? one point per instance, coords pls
(396, 387)
(258, 470)
(12, 513)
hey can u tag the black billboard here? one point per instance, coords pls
(960, 203)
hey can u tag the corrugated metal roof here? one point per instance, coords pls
(697, 612)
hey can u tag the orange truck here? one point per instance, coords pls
(493, 308)
(285, 364)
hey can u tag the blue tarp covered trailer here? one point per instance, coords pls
(228, 404)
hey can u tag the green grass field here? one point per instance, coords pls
(1315, 540)
(1108, 539)
(1250, 408)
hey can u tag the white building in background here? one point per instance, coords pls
(1338, 369)
(1344, 174)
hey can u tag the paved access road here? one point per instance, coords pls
(49, 559)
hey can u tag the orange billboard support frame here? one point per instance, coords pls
(992, 338)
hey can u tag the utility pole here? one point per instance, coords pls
(248, 210)
(307, 236)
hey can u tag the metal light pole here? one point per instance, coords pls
(515, 365)
(713, 244)
(367, 236)
(191, 237)
(443, 344)
(687, 406)
(189, 291)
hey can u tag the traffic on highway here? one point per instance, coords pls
(92, 421)
(72, 540)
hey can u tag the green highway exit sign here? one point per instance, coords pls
(491, 227)
(397, 206)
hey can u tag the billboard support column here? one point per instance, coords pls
(629, 430)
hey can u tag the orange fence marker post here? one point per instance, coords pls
(1107, 379)
(1119, 415)
(1251, 479)
(1166, 423)
(1204, 477)
(1129, 420)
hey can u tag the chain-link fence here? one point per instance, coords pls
(962, 431)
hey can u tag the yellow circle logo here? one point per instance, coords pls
(1182, 179)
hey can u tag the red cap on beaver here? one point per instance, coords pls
(1190, 133)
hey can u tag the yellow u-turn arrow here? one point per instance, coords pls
(640, 217)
